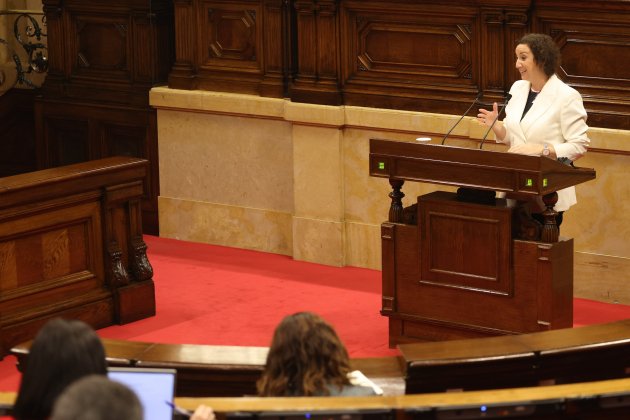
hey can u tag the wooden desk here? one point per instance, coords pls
(571, 398)
(575, 398)
(204, 370)
(590, 353)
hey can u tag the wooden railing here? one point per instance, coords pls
(229, 371)
(591, 353)
(570, 355)
(71, 245)
(591, 400)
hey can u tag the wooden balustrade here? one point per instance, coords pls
(591, 400)
(590, 353)
(572, 355)
(230, 371)
(71, 246)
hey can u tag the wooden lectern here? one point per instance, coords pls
(468, 264)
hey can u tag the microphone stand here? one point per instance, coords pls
(507, 99)
(462, 117)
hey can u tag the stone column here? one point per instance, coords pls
(318, 218)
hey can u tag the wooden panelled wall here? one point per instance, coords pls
(432, 56)
(104, 57)
(17, 132)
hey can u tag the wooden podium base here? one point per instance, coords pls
(459, 274)
(134, 302)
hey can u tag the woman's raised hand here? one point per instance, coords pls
(486, 117)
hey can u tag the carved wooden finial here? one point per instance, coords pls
(396, 208)
(550, 232)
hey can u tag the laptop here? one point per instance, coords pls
(154, 387)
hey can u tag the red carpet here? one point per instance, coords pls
(217, 295)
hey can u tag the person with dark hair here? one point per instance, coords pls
(95, 397)
(307, 358)
(62, 352)
(545, 116)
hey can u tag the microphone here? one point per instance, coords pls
(462, 117)
(508, 96)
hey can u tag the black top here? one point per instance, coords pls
(530, 100)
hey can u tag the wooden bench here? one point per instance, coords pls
(591, 353)
(590, 400)
(204, 370)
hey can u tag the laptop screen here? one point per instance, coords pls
(154, 387)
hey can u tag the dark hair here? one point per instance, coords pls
(62, 352)
(305, 358)
(96, 397)
(546, 52)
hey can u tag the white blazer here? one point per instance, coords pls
(557, 117)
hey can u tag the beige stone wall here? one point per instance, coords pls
(289, 178)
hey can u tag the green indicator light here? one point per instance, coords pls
(381, 165)
(529, 182)
(544, 182)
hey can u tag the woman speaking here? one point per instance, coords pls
(545, 116)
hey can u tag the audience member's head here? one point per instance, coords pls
(306, 358)
(62, 352)
(96, 397)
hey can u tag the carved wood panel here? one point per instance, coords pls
(51, 262)
(316, 40)
(405, 53)
(237, 46)
(71, 133)
(104, 56)
(231, 36)
(182, 75)
(595, 46)
(108, 50)
(101, 47)
(500, 30)
(236, 54)
(409, 47)
(38, 254)
(450, 233)
(429, 56)
(71, 245)
(277, 40)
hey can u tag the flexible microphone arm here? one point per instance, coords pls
(462, 117)
(507, 99)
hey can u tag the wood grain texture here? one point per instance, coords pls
(461, 270)
(564, 356)
(429, 56)
(104, 57)
(55, 226)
